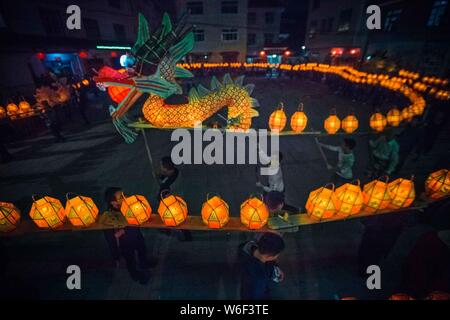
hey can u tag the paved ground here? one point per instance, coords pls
(320, 261)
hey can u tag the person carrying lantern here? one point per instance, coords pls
(258, 266)
(346, 160)
(383, 155)
(126, 241)
(275, 180)
(168, 179)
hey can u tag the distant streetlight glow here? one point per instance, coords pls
(303, 47)
(262, 53)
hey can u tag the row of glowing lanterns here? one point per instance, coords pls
(332, 124)
(393, 83)
(324, 203)
(24, 109)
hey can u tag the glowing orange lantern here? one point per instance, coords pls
(254, 213)
(9, 217)
(332, 123)
(407, 114)
(81, 211)
(351, 199)
(376, 196)
(350, 123)
(117, 94)
(24, 108)
(215, 212)
(299, 120)
(394, 117)
(277, 120)
(402, 193)
(47, 212)
(437, 184)
(401, 296)
(322, 203)
(378, 122)
(2, 113)
(135, 209)
(173, 210)
(12, 109)
(85, 82)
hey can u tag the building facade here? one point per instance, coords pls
(335, 30)
(35, 38)
(219, 29)
(413, 34)
(228, 31)
(263, 27)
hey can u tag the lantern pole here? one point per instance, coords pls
(322, 153)
(149, 153)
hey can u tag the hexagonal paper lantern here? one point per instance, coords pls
(12, 109)
(394, 117)
(254, 213)
(350, 123)
(299, 120)
(136, 209)
(24, 107)
(322, 203)
(277, 120)
(351, 199)
(376, 196)
(47, 212)
(332, 124)
(9, 217)
(437, 184)
(377, 122)
(81, 211)
(215, 212)
(402, 193)
(173, 210)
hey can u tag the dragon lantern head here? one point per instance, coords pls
(155, 69)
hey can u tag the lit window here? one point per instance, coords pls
(199, 35)
(391, 19)
(229, 7)
(437, 11)
(194, 7)
(229, 34)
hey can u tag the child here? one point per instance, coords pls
(275, 180)
(169, 174)
(346, 159)
(384, 155)
(126, 241)
(258, 266)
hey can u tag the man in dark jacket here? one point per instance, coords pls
(257, 261)
(126, 241)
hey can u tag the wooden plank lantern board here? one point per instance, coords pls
(109, 220)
